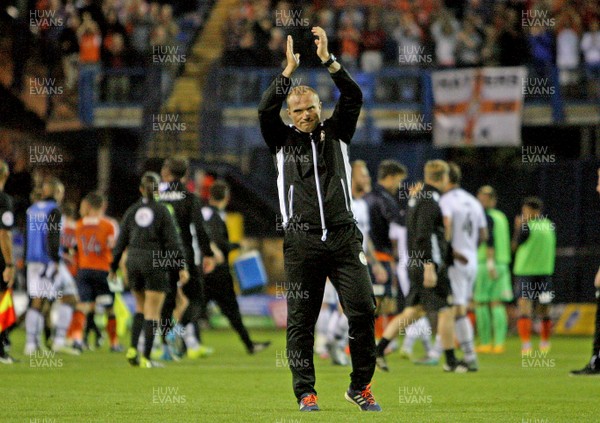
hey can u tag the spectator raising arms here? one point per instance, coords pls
(445, 32)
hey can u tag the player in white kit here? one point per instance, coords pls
(466, 226)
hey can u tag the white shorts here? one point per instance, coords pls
(402, 265)
(462, 280)
(46, 281)
(330, 295)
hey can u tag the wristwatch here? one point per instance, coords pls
(330, 61)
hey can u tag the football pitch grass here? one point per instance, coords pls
(232, 386)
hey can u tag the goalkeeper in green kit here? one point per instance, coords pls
(493, 285)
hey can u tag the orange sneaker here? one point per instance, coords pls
(308, 402)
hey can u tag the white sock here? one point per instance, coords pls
(65, 313)
(332, 326)
(33, 327)
(411, 335)
(436, 351)
(141, 342)
(157, 341)
(189, 337)
(323, 321)
(464, 335)
(425, 334)
(321, 330)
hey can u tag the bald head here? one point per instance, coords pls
(304, 108)
(300, 90)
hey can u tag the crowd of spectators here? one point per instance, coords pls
(78, 35)
(370, 34)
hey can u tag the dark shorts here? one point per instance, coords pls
(92, 286)
(534, 288)
(144, 277)
(431, 299)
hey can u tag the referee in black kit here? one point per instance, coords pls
(314, 193)
(147, 230)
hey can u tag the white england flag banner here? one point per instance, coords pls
(478, 106)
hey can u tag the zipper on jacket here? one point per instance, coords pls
(318, 183)
(291, 201)
(345, 194)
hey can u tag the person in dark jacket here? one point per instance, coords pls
(187, 211)
(219, 284)
(154, 246)
(429, 254)
(384, 210)
(321, 236)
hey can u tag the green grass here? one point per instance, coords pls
(234, 387)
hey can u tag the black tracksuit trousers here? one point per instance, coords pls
(308, 262)
(218, 286)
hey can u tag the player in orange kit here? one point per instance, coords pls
(95, 239)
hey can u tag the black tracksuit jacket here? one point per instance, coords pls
(313, 169)
(188, 210)
(425, 229)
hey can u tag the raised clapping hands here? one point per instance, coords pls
(293, 59)
(321, 43)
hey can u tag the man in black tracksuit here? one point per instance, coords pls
(187, 211)
(219, 284)
(321, 237)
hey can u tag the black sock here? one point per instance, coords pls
(150, 328)
(383, 343)
(450, 358)
(90, 325)
(47, 333)
(197, 330)
(165, 327)
(2, 352)
(136, 329)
